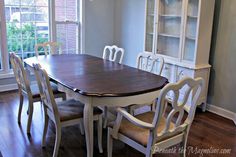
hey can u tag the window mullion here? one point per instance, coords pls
(52, 21)
(4, 53)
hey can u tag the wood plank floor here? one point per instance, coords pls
(208, 133)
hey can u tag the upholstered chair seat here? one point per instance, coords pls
(72, 109)
(36, 93)
(140, 135)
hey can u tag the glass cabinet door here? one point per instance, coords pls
(169, 27)
(191, 31)
(150, 16)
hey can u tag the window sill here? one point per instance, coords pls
(6, 75)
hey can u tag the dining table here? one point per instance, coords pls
(98, 82)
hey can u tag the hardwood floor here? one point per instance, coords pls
(209, 133)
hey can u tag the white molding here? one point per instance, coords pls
(82, 26)
(3, 40)
(8, 87)
(6, 75)
(222, 112)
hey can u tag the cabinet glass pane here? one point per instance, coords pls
(191, 30)
(168, 46)
(189, 49)
(193, 7)
(170, 7)
(169, 27)
(149, 25)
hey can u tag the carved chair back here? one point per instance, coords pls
(113, 53)
(150, 62)
(48, 48)
(22, 79)
(177, 101)
(46, 93)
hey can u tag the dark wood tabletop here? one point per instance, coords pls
(92, 76)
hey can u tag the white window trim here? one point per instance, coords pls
(4, 53)
(80, 24)
(6, 72)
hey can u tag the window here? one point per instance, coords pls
(27, 23)
(66, 24)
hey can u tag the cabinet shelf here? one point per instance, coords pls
(150, 33)
(169, 35)
(193, 16)
(191, 38)
(170, 16)
(151, 14)
(161, 51)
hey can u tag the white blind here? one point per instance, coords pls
(67, 25)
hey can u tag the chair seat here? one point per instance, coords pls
(72, 109)
(141, 135)
(35, 90)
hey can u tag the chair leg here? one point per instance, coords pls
(204, 105)
(183, 146)
(31, 108)
(81, 126)
(105, 117)
(20, 107)
(149, 150)
(109, 143)
(45, 129)
(57, 142)
(131, 110)
(99, 128)
(148, 155)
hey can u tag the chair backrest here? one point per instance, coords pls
(46, 93)
(193, 88)
(22, 79)
(113, 53)
(48, 48)
(150, 62)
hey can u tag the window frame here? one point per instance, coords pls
(4, 53)
(53, 23)
(5, 71)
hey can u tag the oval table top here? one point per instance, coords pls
(92, 76)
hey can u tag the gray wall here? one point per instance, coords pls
(99, 25)
(223, 56)
(129, 28)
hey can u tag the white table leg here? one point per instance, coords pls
(88, 128)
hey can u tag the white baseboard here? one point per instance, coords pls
(8, 87)
(222, 112)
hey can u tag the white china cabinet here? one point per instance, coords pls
(180, 31)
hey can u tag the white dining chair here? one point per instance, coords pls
(48, 48)
(28, 90)
(149, 62)
(151, 132)
(113, 53)
(62, 114)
